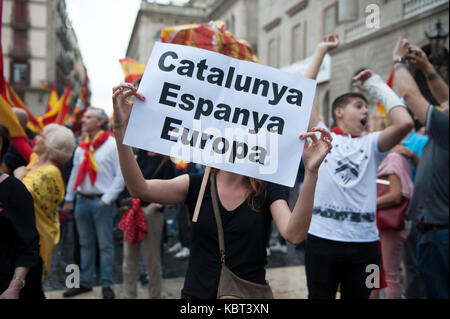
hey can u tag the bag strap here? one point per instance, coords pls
(218, 218)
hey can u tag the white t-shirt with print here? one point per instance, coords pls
(346, 193)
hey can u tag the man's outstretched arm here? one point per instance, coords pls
(407, 85)
(329, 43)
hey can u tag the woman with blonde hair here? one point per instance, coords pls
(42, 177)
(246, 207)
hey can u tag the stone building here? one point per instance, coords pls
(290, 29)
(40, 49)
(239, 16)
(284, 33)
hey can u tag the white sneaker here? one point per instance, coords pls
(175, 248)
(182, 254)
(279, 248)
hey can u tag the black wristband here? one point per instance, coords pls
(400, 60)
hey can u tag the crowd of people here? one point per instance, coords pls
(352, 172)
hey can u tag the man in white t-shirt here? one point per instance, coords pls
(342, 243)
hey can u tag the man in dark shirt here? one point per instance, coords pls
(429, 204)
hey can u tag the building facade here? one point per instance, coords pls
(284, 33)
(239, 16)
(40, 49)
(289, 31)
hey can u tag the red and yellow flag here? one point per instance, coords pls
(15, 101)
(52, 99)
(60, 110)
(63, 115)
(389, 82)
(210, 36)
(132, 69)
(179, 163)
(8, 118)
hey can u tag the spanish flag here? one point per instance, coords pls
(389, 82)
(63, 115)
(132, 69)
(52, 99)
(15, 101)
(59, 112)
(8, 118)
(50, 116)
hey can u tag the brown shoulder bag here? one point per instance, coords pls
(230, 285)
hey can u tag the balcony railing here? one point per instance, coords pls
(413, 7)
(357, 29)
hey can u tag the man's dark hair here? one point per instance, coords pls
(4, 135)
(343, 100)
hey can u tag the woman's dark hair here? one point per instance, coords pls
(4, 134)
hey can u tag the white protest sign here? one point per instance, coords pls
(234, 115)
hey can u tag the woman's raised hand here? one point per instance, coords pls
(315, 151)
(122, 104)
(330, 42)
(361, 77)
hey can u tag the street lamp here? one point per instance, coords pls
(437, 39)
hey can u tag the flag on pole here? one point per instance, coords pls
(389, 82)
(211, 36)
(52, 99)
(15, 101)
(63, 115)
(59, 111)
(132, 69)
(7, 116)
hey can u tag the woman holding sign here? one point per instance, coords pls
(246, 207)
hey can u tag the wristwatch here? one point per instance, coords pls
(400, 60)
(22, 281)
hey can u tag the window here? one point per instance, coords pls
(329, 24)
(20, 73)
(20, 12)
(20, 44)
(298, 41)
(273, 53)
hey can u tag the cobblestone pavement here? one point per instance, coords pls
(173, 270)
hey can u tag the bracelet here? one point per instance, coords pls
(22, 281)
(400, 60)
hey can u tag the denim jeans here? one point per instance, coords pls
(95, 224)
(415, 288)
(432, 262)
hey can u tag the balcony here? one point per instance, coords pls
(20, 23)
(357, 30)
(414, 7)
(65, 63)
(61, 33)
